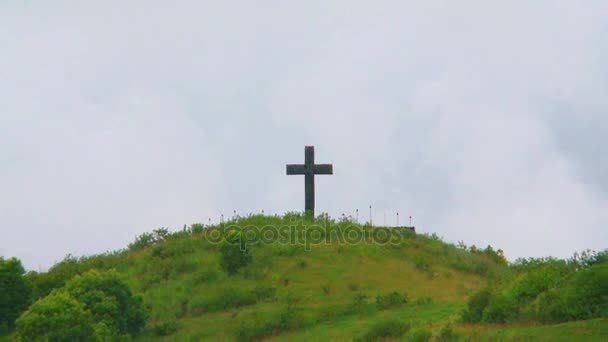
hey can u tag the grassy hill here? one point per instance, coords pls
(411, 287)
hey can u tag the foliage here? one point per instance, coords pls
(164, 328)
(57, 317)
(148, 239)
(476, 305)
(546, 290)
(385, 329)
(584, 297)
(109, 300)
(501, 309)
(15, 292)
(280, 292)
(391, 300)
(234, 255)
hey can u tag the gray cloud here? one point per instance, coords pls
(483, 120)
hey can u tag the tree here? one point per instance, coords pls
(14, 291)
(109, 300)
(56, 317)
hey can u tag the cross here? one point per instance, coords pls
(309, 169)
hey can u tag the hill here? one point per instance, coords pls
(288, 278)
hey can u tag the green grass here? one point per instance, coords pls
(314, 296)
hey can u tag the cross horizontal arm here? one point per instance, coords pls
(324, 169)
(296, 169)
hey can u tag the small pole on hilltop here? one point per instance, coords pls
(410, 220)
(397, 219)
(357, 211)
(234, 213)
(370, 216)
(209, 220)
(222, 218)
(343, 217)
(262, 212)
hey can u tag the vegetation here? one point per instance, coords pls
(96, 305)
(545, 290)
(188, 285)
(14, 292)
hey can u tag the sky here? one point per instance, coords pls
(483, 120)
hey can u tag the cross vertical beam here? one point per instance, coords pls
(309, 169)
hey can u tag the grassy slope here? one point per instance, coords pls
(178, 274)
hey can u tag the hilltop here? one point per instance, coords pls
(340, 280)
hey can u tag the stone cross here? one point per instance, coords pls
(309, 169)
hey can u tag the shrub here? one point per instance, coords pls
(502, 308)
(391, 300)
(476, 305)
(57, 317)
(385, 329)
(15, 292)
(165, 328)
(234, 255)
(109, 300)
(585, 296)
(548, 275)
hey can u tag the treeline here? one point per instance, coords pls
(64, 306)
(545, 290)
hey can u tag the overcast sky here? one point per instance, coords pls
(487, 121)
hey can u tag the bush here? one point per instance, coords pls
(391, 300)
(234, 255)
(57, 317)
(550, 274)
(501, 309)
(386, 328)
(446, 334)
(164, 329)
(585, 296)
(15, 292)
(476, 305)
(148, 239)
(109, 300)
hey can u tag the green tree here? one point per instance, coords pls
(14, 291)
(109, 300)
(56, 317)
